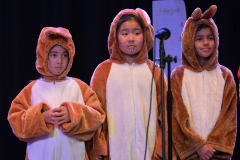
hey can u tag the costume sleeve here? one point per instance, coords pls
(85, 118)
(98, 84)
(185, 139)
(26, 120)
(222, 137)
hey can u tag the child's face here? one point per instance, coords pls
(204, 43)
(57, 60)
(130, 38)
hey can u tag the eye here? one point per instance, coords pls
(124, 34)
(53, 55)
(137, 33)
(210, 38)
(198, 39)
(65, 55)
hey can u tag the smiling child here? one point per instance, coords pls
(204, 94)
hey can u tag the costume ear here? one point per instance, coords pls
(64, 32)
(196, 14)
(144, 16)
(209, 13)
(61, 31)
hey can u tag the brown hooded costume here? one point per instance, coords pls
(204, 101)
(124, 91)
(44, 140)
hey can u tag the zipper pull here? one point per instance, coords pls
(131, 65)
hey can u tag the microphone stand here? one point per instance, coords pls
(163, 60)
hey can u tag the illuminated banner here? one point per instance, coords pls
(170, 14)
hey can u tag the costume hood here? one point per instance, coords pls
(48, 38)
(115, 53)
(189, 59)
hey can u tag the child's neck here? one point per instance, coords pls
(50, 81)
(203, 61)
(130, 58)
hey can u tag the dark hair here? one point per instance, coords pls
(58, 45)
(201, 26)
(127, 17)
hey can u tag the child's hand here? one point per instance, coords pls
(60, 115)
(205, 152)
(48, 116)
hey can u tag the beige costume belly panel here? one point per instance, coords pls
(56, 145)
(202, 93)
(128, 100)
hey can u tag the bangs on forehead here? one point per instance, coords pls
(66, 51)
(128, 17)
(201, 26)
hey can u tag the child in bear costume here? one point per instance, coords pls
(123, 85)
(55, 114)
(204, 94)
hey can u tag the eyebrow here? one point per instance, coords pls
(57, 52)
(53, 52)
(138, 29)
(207, 35)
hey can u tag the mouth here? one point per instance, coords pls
(131, 46)
(205, 50)
(58, 69)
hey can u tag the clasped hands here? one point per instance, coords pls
(206, 152)
(57, 116)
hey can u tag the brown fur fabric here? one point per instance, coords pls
(48, 38)
(98, 84)
(27, 121)
(189, 59)
(115, 53)
(223, 135)
(30, 124)
(186, 140)
(100, 78)
(87, 127)
(158, 145)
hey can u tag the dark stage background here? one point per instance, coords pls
(89, 22)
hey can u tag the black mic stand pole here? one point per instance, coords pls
(162, 66)
(163, 60)
(169, 59)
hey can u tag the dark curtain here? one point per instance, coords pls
(88, 21)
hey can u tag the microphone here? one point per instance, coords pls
(163, 34)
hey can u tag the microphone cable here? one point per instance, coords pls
(150, 106)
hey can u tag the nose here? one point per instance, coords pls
(205, 41)
(59, 60)
(131, 38)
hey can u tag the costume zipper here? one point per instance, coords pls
(55, 127)
(203, 104)
(131, 76)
